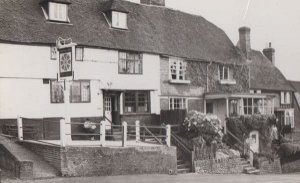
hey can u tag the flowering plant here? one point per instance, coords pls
(90, 126)
(207, 126)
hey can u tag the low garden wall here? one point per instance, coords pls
(222, 166)
(267, 166)
(105, 161)
(291, 163)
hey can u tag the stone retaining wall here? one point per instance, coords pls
(268, 166)
(104, 161)
(223, 166)
(291, 164)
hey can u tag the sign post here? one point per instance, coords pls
(66, 49)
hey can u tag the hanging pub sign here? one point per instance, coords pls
(65, 62)
(65, 48)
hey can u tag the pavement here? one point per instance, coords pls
(183, 178)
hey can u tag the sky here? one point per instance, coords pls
(276, 21)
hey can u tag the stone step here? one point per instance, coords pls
(183, 170)
(254, 172)
(182, 166)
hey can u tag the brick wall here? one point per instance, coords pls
(196, 72)
(290, 164)
(267, 166)
(49, 153)
(22, 169)
(213, 166)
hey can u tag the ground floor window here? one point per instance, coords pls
(57, 91)
(137, 102)
(177, 103)
(80, 92)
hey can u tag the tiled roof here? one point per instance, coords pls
(264, 75)
(152, 29)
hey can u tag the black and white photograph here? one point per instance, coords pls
(145, 91)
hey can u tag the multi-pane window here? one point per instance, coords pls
(177, 103)
(285, 98)
(225, 73)
(79, 53)
(53, 52)
(256, 106)
(130, 63)
(289, 118)
(80, 92)
(136, 102)
(119, 20)
(57, 92)
(58, 12)
(248, 106)
(177, 69)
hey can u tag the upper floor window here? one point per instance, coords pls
(79, 53)
(119, 20)
(57, 91)
(80, 92)
(285, 98)
(177, 103)
(58, 12)
(137, 102)
(130, 63)
(178, 70)
(226, 75)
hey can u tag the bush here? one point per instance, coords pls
(208, 127)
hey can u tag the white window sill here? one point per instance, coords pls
(180, 81)
(228, 82)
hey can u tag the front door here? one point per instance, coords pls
(108, 108)
(254, 141)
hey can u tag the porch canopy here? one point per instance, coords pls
(241, 103)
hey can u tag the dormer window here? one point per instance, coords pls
(119, 20)
(58, 12)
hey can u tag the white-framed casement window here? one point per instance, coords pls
(177, 103)
(57, 91)
(53, 52)
(130, 63)
(58, 12)
(178, 70)
(80, 92)
(79, 53)
(289, 118)
(226, 75)
(285, 98)
(119, 20)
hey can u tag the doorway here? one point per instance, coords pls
(254, 141)
(111, 106)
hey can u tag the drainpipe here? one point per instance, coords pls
(207, 68)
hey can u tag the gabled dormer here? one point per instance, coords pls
(116, 14)
(56, 10)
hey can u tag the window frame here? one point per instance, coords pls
(117, 24)
(51, 18)
(229, 79)
(141, 60)
(285, 98)
(82, 53)
(51, 93)
(178, 67)
(182, 103)
(136, 102)
(89, 93)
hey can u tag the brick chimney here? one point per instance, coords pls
(244, 41)
(153, 2)
(270, 53)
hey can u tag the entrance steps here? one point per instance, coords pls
(183, 166)
(248, 168)
(40, 169)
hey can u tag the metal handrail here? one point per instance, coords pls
(239, 141)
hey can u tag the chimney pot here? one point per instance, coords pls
(270, 53)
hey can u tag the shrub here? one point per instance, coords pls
(208, 127)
